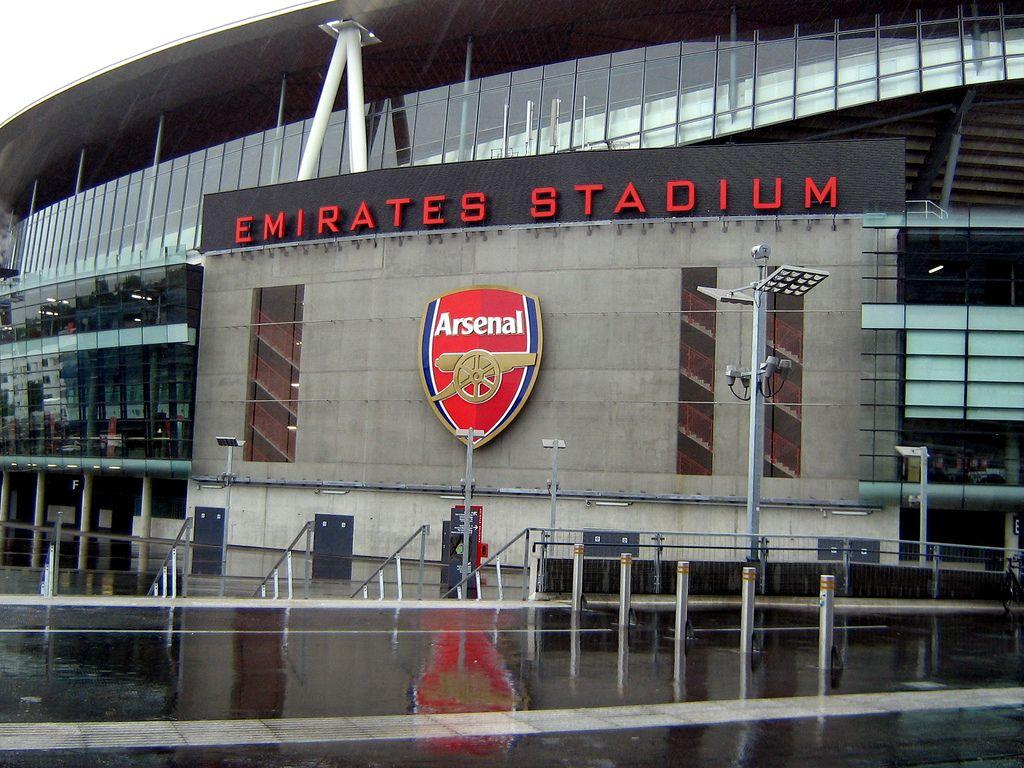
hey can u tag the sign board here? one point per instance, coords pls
(794, 178)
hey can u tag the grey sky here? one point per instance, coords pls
(49, 45)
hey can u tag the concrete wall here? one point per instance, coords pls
(608, 385)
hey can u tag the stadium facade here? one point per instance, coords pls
(191, 254)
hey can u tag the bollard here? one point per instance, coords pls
(288, 573)
(826, 625)
(479, 591)
(277, 586)
(625, 583)
(163, 581)
(380, 584)
(174, 572)
(682, 600)
(398, 575)
(577, 577)
(747, 615)
(497, 575)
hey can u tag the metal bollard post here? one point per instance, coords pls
(55, 564)
(936, 562)
(288, 572)
(163, 581)
(747, 614)
(846, 567)
(658, 539)
(533, 580)
(497, 575)
(306, 565)
(174, 572)
(682, 601)
(398, 574)
(625, 584)
(277, 585)
(424, 530)
(263, 589)
(578, 551)
(380, 584)
(479, 592)
(826, 624)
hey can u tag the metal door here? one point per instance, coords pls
(207, 540)
(332, 546)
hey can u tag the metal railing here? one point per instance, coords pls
(422, 532)
(273, 575)
(160, 586)
(495, 560)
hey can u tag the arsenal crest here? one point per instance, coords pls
(480, 350)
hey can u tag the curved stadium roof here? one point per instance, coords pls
(224, 84)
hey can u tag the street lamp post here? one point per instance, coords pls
(555, 444)
(789, 281)
(921, 452)
(230, 443)
(467, 522)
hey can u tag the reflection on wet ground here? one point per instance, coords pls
(75, 664)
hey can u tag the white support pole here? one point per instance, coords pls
(174, 572)
(923, 522)
(479, 591)
(328, 93)
(356, 117)
(755, 445)
(38, 518)
(497, 575)
(682, 602)
(625, 585)
(747, 615)
(578, 551)
(398, 575)
(84, 520)
(380, 584)
(826, 623)
(145, 522)
(277, 586)
(288, 573)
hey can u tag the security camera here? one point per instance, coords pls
(731, 374)
(761, 252)
(769, 366)
(785, 364)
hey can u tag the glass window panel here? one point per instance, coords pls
(947, 76)
(458, 144)
(158, 208)
(996, 343)
(630, 56)
(659, 137)
(429, 135)
(936, 317)
(190, 210)
(590, 108)
(270, 168)
(730, 122)
(291, 153)
(1015, 66)
(1013, 34)
(522, 138)
(814, 103)
(527, 75)
(560, 68)
(665, 51)
(982, 39)
(995, 395)
(661, 92)
(491, 125)
(560, 114)
(984, 70)
(232, 166)
(489, 83)
(624, 100)
(920, 342)
(774, 70)
(857, 57)
(898, 85)
(252, 150)
(934, 393)
(996, 369)
(773, 113)
(330, 151)
(935, 368)
(815, 63)
(940, 43)
(697, 82)
(175, 202)
(735, 79)
(897, 50)
(111, 193)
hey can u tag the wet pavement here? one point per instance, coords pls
(64, 664)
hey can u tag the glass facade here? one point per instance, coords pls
(943, 366)
(101, 366)
(647, 97)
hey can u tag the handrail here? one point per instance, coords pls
(489, 560)
(423, 530)
(284, 555)
(161, 573)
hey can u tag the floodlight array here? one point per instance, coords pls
(792, 281)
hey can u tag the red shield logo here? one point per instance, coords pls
(480, 349)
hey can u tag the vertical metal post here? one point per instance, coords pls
(55, 565)
(625, 585)
(423, 553)
(277, 585)
(583, 125)
(658, 539)
(554, 481)
(174, 571)
(526, 568)
(846, 567)
(923, 523)
(826, 623)
(682, 601)
(467, 515)
(328, 93)
(81, 171)
(504, 133)
(288, 573)
(747, 615)
(398, 575)
(479, 591)
(464, 119)
(755, 448)
(380, 584)
(306, 565)
(224, 530)
(497, 575)
(354, 80)
(529, 127)
(275, 169)
(163, 581)
(578, 551)
(936, 570)
(187, 564)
